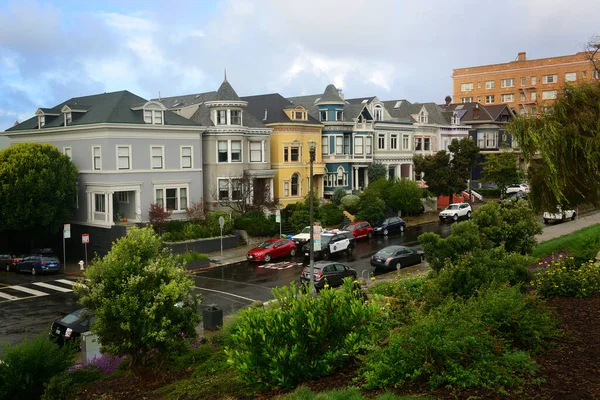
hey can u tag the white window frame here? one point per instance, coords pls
(490, 84)
(299, 186)
(466, 87)
(68, 152)
(534, 80)
(509, 82)
(507, 98)
(231, 117)
(427, 142)
(129, 156)
(325, 145)
(339, 143)
(321, 115)
(99, 158)
(226, 151)
(230, 150)
(490, 99)
(595, 74)
(549, 95)
(418, 142)
(178, 186)
(378, 111)
(154, 117)
(423, 117)
(551, 78)
(162, 156)
(523, 97)
(405, 142)
(466, 100)
(369, 145)
(218, 120)
(491, 137)
(394, 141)
(381, 136)
(361, 145)
(570, 76)
(102, 203)
(181, 157)
(533, 96)
(523, 81)
(339, 115)
(262, 151)
(123, 197)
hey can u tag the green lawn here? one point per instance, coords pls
(303, 393)
(583, 244)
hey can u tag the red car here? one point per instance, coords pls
(359, 229)
(271, 249)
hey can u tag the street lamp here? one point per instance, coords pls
(312, 147)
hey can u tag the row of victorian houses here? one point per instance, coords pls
(131, 152)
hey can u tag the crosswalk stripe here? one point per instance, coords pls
(7, 296)
(68, 282)
(53, 287)
(28, 290)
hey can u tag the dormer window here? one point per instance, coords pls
(339, 115)
(68, 117)
(41, 121)
(221, 117)
(423, 117)
(323, 115)
(455, 119)
(378, 113)
(154, 117)
(236, 117)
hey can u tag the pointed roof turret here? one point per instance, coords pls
(330, 96)
(226, 92)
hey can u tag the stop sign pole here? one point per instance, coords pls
(85, 239)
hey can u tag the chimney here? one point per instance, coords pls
(159, 95)
(448, 100)
(341, 94)
(476, 111)
(522, 56)
(265, 118)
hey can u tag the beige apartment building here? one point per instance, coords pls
(526, 86)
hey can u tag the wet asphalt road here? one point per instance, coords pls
(231, 287)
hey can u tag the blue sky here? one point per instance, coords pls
(51, 51)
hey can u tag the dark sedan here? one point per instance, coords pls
(7, 261)
(38, 263)
(71, 326)
(389, 225)
(396, 257)
(328, 272)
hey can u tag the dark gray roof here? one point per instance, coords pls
(308, 102)
(187, 100)
(406, 110)
(311, 103)
(274, 104)
(360, 100)
(495, 112)
(331, 95)
(226, 92)
(202, 117)
(110, 108)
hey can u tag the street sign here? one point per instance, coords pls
(317, 237)
(67, 231)
(85, 238)
(278, 218)
(221, 222)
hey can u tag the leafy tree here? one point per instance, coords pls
(370, 208)
(158, 216)
(404, 195)
(337, 196)
(502, 169)
(465, 153)
(141, 296)
(299, 219)
(38, 185)
(350, 203)
(376, 171)
(331, 214)
(380, 188)
(563, 148)
(440, 177)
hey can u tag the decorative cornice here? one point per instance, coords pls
(338, 128)
(226, 103)
(295, 128)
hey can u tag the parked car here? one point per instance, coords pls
(38, 263)
(520, 187)
(389, 225)
(330, 272)
(71, 326)
(303, 237)
(272, 248)
(455, 211)
(359, 229)
(559, 215)
(6, 261)
(332, 242)
(516, 196)
(13, 264)
(396, 257)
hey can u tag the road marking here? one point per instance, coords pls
(280, 265)
(28, 290)
(230, 281)
(68, 282)
(8, 296)
(4, 284)
(53, 287)
(226, 293)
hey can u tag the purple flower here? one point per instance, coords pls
(106, 364)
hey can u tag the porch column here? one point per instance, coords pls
(106, 208)
(387, 171)
(366, 177)
(110, 207)
(138, 205)
(355, 179)
(410, 172)
(398, 171)
(322, 188)
(90, 206)
(271, 190)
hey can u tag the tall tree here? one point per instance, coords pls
(563, 148)
(376, 171)
(502, 169)
(404, 195)
(440, 177)
(246, 194)
(38, 188)
(464, 156)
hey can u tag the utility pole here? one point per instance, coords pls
(312, 150)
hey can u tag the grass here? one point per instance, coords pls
(302, 393)
(583, 244)
(194, 256)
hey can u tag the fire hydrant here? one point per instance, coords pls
(81, 265)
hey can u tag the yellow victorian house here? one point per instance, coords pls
(293, 133)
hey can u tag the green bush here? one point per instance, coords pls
(370, 208)
(488, 192)
(192, 256)
(300, 337)
(331, 215)
(60, 387)
(350, 203)
(446, 347)
(350, 393)
(256, 224)
(299, 219)
(561, 277)
(175, 225)
(180, 230)
(29, 365)
(401, 288)
(337, 196)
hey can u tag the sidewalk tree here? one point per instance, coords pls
(38, 185)
(502, 169)
(376, 171)
(563, 148)
(142, 298)
(464, 156)
(405, 196)
(246, 193)
(370, 208)
(439, 174)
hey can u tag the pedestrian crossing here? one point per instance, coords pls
(37, 289)
(280, 265)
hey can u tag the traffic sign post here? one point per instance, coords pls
(66, 235)
(221, 224)
(85, 239)
(278, 220)
(317, 236)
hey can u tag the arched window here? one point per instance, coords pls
(295, 184)
(378, 113)
(341, 174)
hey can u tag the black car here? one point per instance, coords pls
(328, 272)
(71, 326)
(396, 257)
(7, 261)
(332, 242)
(389, 225)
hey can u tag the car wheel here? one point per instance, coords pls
(7, 268)
(398, 266)
(455, 217)
(349, 250)
(573, 216)
(385, 232)
(33, 271)
(401, 228)
(545, 221)
(469, 215)
(325, 255)
(267, 257)
(292, 252)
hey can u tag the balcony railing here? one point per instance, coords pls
(340, 157)
(364, 126)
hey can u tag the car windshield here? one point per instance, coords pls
(452, 207)
(306, 230)
(266, 245)
(386, 252)
(325, 240)
(348, 228)
(75, 316)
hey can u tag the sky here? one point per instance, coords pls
(51, 51)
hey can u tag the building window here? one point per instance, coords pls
(97, 154)
(418, 144)
(295, 185)
(339, 115)
(466, 100)
(423, 117)
(68, 153)
(595, 74)
(507, 98)
(172, 198)
(223, 189)
(523, 81)
(427, 144)
(325, 145)
(339, 145)
(490, 84)
(378, 113)
(466, 87)
(236, 151)
(405, 142)
(236, 117)
(550, 78)
(570, 76)
(286, 189)
(256, 154)
(68, 118)
(381, 141)
(341, 179)
(478, 85)
(157, 157)
(584, 74)
(221, 117)
(222, 150)
(522, 96)
(533, 111)
(549, 94)
(394, 141)
(490, 140)
(369, 145)
(533, 96)
(123, 197)
(323, 115)
(514, 143)
(507, 82)
(346, 144)
(99, 205)
(236, 189)
(533, 80)
(489, 99)
(186, 157)
(41, 121)
(154, 117)
(123, 157)
(294, 154)
(455, 119)
(358, 145)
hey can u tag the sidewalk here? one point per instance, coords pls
(560, 229)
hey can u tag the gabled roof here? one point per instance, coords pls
(226, 92)
(486, 112)
(331, 95)
(407, 110)
(104, 108)
(273, 104)
(187, 100)
(308, 102)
